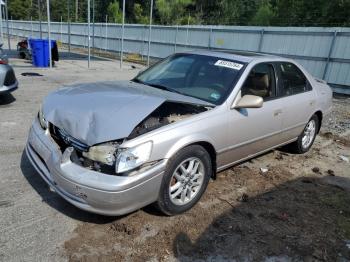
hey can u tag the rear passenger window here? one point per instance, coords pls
(260, 82)
(292, 80)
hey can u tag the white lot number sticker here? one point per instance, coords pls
(229, 64)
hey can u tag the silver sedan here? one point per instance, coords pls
(114, 147)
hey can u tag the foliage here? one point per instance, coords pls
(175, 11)
(138, 14)
(264, 16)
(114, 13)
(210, 12)
(19, 9)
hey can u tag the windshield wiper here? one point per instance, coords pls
(163, 88)
(136, 80)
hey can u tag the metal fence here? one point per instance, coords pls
(324, 52)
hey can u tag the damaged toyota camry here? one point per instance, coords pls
(114, 147)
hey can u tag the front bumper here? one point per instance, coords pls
(86, 189)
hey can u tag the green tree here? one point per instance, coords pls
(19, 9)
(115, 15)
(138, 14)
(264, 16)
(174, 11)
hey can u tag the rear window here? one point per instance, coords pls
(292, 80)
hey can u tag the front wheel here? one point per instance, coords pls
(307, 137)
(185, 180)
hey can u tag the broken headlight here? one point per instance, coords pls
(104, 154)
(130, 158)
(42, 120)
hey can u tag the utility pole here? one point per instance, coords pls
(93, 26)
(49, 30)
(39, 12)
(122, 42)
(150, 32)
(7, 25)
(68, 7)
(88, 33)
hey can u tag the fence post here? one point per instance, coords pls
(49, 30)
(2, 35)
(177, 30)
(329, 54)
(122, 40)
(88, 33)
(150, 32)
(261, 39)
(68, 5)
(61, 29)
(31, 27)
(7, 25)
(188, 25)
(209, 40)
(93, 26)
(106, 47)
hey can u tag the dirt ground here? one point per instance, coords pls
(296, 211)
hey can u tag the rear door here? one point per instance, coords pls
(296, 95)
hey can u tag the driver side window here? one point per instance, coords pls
(260, 82)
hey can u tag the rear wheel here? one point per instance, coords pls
(185, 180)
(307, 137)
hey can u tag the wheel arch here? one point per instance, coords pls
(319, 115)
(204, 142)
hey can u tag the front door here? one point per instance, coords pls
(252, 130)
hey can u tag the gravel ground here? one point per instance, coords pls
(297, 211)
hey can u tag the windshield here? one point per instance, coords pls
(204, 77)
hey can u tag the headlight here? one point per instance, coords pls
(130, 158)
(42, 120)
(104, 153)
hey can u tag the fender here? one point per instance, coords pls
(188, 140)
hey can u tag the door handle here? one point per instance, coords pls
(277, 112)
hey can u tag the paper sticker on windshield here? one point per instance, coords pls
(229, 64)
(215, 96)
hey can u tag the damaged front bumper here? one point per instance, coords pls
(87, 189)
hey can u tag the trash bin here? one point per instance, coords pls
(40, 51)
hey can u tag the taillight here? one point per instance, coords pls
(2, 62)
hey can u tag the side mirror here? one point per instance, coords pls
(250, 101)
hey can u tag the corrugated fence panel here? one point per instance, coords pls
(324, 52)
(235, 40)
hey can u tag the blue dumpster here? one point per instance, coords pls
(40, 51)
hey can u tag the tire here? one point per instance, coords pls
(181, 190)
(307, 137)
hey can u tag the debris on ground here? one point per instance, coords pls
(263, 170)
(330, 172)
(31, 74)
(344, 158)
(316, 170)
(243, 198)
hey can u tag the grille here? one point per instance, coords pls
(10, 78)
(63, 139)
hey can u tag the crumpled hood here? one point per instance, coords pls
(98, 112)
